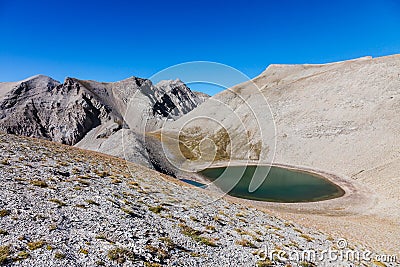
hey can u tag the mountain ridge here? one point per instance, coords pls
(87, 113)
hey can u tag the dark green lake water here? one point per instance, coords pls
(280, 185)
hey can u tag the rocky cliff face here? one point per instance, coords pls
(92, 114)
(171, 92)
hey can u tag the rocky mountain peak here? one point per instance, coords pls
(174, 99)
(89, 112)
(40, 78)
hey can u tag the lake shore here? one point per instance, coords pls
(348, 217)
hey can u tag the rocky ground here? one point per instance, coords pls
(63, 206)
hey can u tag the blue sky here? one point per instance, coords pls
(113, 40)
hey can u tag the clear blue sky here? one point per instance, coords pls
(113, 40)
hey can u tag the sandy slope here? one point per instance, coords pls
(341, 118)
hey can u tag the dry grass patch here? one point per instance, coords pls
(4, 254)
(157, 209)
(195, 235)
(265, 263)
(58, 202)
(36, 245)
(245, 243)
(307, 237)
(39, 183)
(59, 256)
(83, 251)
(3, 232)
(22, 255)
(120, 255)
(130, 212)
(308, 264)
(210, 227)
(4, 213)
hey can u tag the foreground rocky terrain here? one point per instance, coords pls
(63, 206)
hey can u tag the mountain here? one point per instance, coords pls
(93, 115)
(339, 118)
